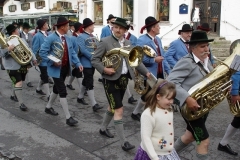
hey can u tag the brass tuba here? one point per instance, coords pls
(112, 58)
(213, 89)
(21, 53)
(139, 85)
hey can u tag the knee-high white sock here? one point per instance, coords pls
(79, 80)
(39, 84)
(228, 134)
(46, 89)
(70, 79)
(128, 91)
(91, 97)
(179, 145)
(18, 92)
(202, 156)
(27, 77)
(52, 98)
(139, 106)
(82, 90)
(64, 104)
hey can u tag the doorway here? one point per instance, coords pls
(211, 11)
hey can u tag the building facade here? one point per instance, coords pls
(171, 13)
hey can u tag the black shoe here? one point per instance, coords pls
(96, 107)
(136, 116)
(50, 81)
(131, 100)
(82, 101)
(106, 133)
(23, 107)
(127, 146)
(70, 87)
(99, 79)
(40, 92)
(51, 111)
(71, 121)
(227, 149)
(29, 84)
(14, 98)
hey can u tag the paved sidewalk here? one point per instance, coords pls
(34, 135)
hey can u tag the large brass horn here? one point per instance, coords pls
(21, 53)
(91, 42)
(139, 85)
(112, 58)
(213, 89)
(58, 50)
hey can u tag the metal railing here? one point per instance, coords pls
(231, 25)
(173, 29)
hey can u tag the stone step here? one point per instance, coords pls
(221, 42)
(220, 45)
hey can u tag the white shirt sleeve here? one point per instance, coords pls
(147, 125)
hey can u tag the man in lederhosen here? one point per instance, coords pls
(38, 40)
(75, 71)
(28, 37)
(115, 81)
(188, 71)
(157, 65)
(60, 69)
(87, 43)
(15, 71)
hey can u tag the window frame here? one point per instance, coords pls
(23, 5)
(96, 4)
(125, 15)
(159, 15)
(10, 8)
(39, 4)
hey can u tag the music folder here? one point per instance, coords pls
(54, 59)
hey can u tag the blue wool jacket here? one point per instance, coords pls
(47, 49)
(106, 31)
(236, 84)
(149, 62)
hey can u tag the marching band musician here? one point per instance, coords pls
(28, 38)
(38, 40)
(235, 124)
(59, 70)
(71, 28)
(15, 71)
(75, 71)
(87, 43)
(186, 73)
(115, 82)
(156, 65)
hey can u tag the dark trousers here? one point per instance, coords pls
(18, 75)
(236, 122)
(88, 78)
(76, 73)
(59, 85)
(43, 74)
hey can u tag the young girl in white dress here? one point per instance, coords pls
(157, 124)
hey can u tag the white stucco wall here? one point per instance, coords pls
(229, 13)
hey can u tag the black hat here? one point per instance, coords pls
(10, 28)
(40, 23)
(87, 22)
(71, 23)
(61, 21)
(121, 22)
(149, 21)
(20, 24)
(199, 36)
(14, 23)
(26, 25)
(185, 28)
(204, 27)
(77, 26)
(110, 17)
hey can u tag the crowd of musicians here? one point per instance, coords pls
(77, 53)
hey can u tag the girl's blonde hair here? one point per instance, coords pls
(163, 88)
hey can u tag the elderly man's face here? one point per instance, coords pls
(201, 50)
(186, 35)
(118, 31)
